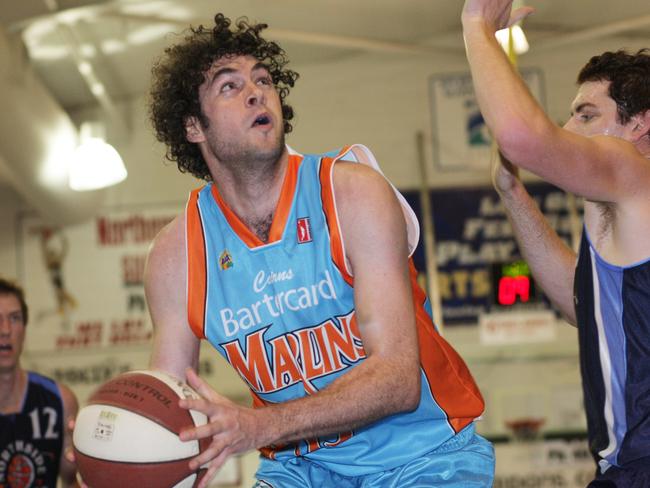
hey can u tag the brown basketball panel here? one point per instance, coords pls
(98, 473)
(145, 395)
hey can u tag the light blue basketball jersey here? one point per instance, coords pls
(282, 314)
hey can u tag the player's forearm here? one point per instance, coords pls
(370, 391)
(514, 117)
(551, 261)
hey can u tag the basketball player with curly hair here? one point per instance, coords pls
(297, 269)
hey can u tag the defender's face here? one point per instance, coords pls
(12, 332)
(593, 112)
(242, 107)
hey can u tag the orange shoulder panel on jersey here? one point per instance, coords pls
(331, 216)
(449, 379)
(196, 266)
(282, 208)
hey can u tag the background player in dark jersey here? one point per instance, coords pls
(601, 154)
(34, 410)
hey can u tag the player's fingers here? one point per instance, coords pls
(204, 389)
(201, 431)
(69, 455)
(214, 467)
(520, 14)
(207, 478)
(196, 382)
(201, 404)
(215, 450)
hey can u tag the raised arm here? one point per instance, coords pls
(600, 168)
(551, 261)
(385, 383)
(175, 347)
(67, 465)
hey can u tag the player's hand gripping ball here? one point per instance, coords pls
(127, 434)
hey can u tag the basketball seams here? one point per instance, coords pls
(136, 463)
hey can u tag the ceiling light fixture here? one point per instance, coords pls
(95, 164)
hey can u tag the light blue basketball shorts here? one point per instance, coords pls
(464, 461)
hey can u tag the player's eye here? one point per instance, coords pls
(16, 318)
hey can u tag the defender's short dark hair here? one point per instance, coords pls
(629, 77)
(177, 75)
(10, 288)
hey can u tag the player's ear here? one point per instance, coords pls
(193, 130)
(640, 125)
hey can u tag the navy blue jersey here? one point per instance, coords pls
(613, 313)
(32, 439)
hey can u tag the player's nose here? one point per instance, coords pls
(255, 95)
(5, 329)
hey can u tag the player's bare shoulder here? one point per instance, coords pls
(166, 261)
(368, 208)
(168, 246)
(359, 184)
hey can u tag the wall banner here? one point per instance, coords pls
(84, 283)
(461, 140)
(476, 250)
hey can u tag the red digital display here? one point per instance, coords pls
(511, 287)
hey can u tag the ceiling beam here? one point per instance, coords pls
(585, 35)
(68, 29)
(314, 38)
(89, 73)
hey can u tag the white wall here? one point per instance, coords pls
(10, 206)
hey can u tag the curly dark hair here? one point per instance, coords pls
(629, 77)
(177, 75)
(10, 288)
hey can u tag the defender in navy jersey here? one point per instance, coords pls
(34, 410)
(602, 154)
(296, 268)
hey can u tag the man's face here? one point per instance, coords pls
(243, 112)
(12, 332)
(593, 112)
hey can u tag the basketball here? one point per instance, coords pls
(127, 434)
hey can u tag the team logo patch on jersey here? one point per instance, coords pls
(225, 260)
(21, 465)
(304, 230)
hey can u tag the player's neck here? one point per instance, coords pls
(12, 390)
(253, 196)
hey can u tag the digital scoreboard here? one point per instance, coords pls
(512, 283)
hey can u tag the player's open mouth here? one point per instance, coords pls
(5, 347)
(262, 120)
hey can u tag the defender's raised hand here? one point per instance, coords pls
(498, 14)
